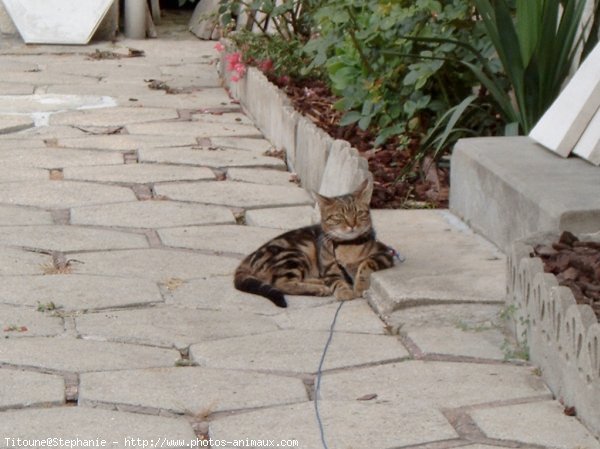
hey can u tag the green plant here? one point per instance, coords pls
(387, 62)
(536, 49)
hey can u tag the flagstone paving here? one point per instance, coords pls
(121, 226)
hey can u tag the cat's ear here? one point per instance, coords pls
(321, 200)
(364, 191)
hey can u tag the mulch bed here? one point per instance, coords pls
(398, 182)
(576, 264)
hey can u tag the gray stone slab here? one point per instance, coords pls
(194, 128)
(260, 176)
(117, 116)
(69, 238)
(15, 215)
(223, 238)
(18, 322)
(242, 143)
(151, 214)
(169, 326)
(126, 69)
(218, 293)
(125, 142)
(16, 88)
(56, 158)
(493, 190)
(435, 384)
(347, 423)
(16, 261)
(296, 351)
(355, 316)
(13, 123)
(281, 217)
(118, 429)
(203, 99)
(156, 264)
(76, 355)
(26, 389)
(236, 194)
(209, 157)
(538, 423)
(51, 132)
(78, 292)
(62, 194)
(470, 330)
(23, 174)
(445, 262)
(219, 117)
(191, 390)
(138, 173)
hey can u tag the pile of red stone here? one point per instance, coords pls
(576, 264)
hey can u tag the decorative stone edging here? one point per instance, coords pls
(563, 337)
(323, 164)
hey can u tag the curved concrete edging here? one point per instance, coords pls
(563, 337)
(323, 164)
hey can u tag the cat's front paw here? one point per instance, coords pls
(363, 280)
(344, 293)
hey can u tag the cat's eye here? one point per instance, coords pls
(362, 214)
(333, 220)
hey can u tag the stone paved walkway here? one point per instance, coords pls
(120, 226)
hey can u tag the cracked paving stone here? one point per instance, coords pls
(355, 316)
(296, 351)
(236, 194)
(125, 142)
(227, 238)
(151, 214)
(115, 116)
(206, 157)
(259, 176)
(71, 292)
(15, 261)
(76, 355)
(62, 194)
(118, 429)
(439, 384)
(218, 293)
(15, 215)
(18, 322)
(25, 389)
(192, 390)
(205, 99)
(536, 423)
(283, 218)
(69, 238)
(195, 128)
(57, 158)
(157, 264)
(348, 424)
(170, 326)
(138, 173)
(470, 330)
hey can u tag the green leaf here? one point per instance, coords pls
(364, 123)
(350, 117)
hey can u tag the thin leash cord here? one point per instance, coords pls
(320, 372)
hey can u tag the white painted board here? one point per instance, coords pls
(57, 21)
(565, 121)
(588, 146)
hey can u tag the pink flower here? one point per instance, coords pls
(233, 59)
(219, 47)
(240, 68)
(235, 77)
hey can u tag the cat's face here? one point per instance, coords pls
(346, 217)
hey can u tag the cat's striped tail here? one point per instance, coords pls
(250, 284)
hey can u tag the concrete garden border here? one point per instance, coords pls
(563, 337)
(323, 164)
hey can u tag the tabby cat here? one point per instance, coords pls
(335, 257)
